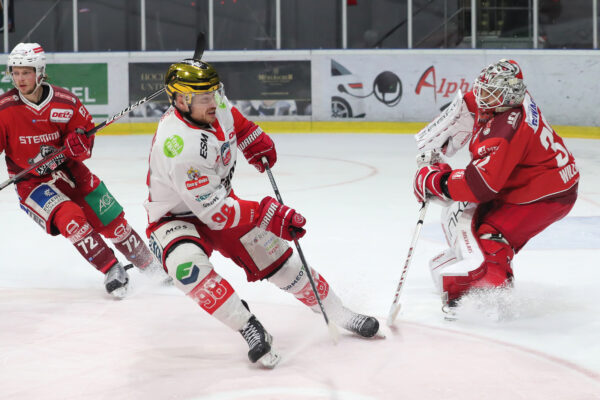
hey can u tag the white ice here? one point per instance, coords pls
(62, 337)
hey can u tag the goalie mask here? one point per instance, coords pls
(195, 80)
(28, 55)
(500, 86)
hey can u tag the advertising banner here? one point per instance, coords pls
(410, 86)
(279, 89)
(89, 82)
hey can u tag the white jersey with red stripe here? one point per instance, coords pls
(191, 169)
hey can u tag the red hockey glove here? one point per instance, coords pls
(78, 145)
(281, 220)
(255, 145)
(428, 181)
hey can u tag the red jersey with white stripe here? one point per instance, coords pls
(516, 157)
(30, 132)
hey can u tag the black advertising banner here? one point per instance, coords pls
(257, 88)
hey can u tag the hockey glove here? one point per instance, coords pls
(281, 220)
(428, 181)
(79, 145)
(255, 145)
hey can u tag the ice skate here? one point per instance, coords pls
(116, 280)
(449, 310)
(259, 341)
(362, 325)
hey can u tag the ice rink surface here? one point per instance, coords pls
(62, 337)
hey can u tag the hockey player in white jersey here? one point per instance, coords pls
(192, 210)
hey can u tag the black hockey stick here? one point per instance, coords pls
(198, 52)
(333, 332)
(48, 159)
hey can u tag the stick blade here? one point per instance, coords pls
(394, 310)
(200, 46)
(334, 333)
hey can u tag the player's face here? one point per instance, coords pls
(24, 79)
(204, 107)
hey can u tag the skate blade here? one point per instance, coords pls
(119, 293)
(379, 334)
(270, 360)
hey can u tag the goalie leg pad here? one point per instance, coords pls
(494, 271)
(193, 274)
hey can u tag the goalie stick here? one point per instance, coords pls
(333, 331)
(198, 52)
(395, 308)
(426, 158)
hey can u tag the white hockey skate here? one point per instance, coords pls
(116, 280)
(260, 341)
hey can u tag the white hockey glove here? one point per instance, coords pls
(450, 131)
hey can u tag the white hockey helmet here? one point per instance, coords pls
(500, 85)
(29, 55)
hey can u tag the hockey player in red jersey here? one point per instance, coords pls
(62, 195)
(521, 179)
(193, 211)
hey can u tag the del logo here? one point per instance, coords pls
(62, 115)
(445, 87)
(226, 153)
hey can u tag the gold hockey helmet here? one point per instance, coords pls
(190, 77)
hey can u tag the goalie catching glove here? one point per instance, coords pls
(281, 220)
(432, 180)
(78, 144)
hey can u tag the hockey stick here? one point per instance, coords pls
(333, 332)
(198, 52)
(395, 308)
(48, 159)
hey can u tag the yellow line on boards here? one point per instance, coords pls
(147, 128)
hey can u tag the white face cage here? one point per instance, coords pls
(500, 85)
(28, 55)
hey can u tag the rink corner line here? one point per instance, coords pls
(385, 127)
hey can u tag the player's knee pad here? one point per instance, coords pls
(70, 221)
(117, 230)
(188, 265)
(292, 278)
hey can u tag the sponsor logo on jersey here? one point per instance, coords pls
(61, 115)
(484, 150)
(210, 203)
(195, 179)
(45, 197)
(173, 146)
(66, 97)
(512, 119)
(105, 203)
(226, 153)
(83, 112)
(187, 273)
(43, 138)
(226, 182)
(202, 197)
(196, 183)
(204, 146)
(532, 116)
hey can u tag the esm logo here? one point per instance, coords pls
(61, 115)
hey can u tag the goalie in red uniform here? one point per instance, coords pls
(521, 179)
(62, 195)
